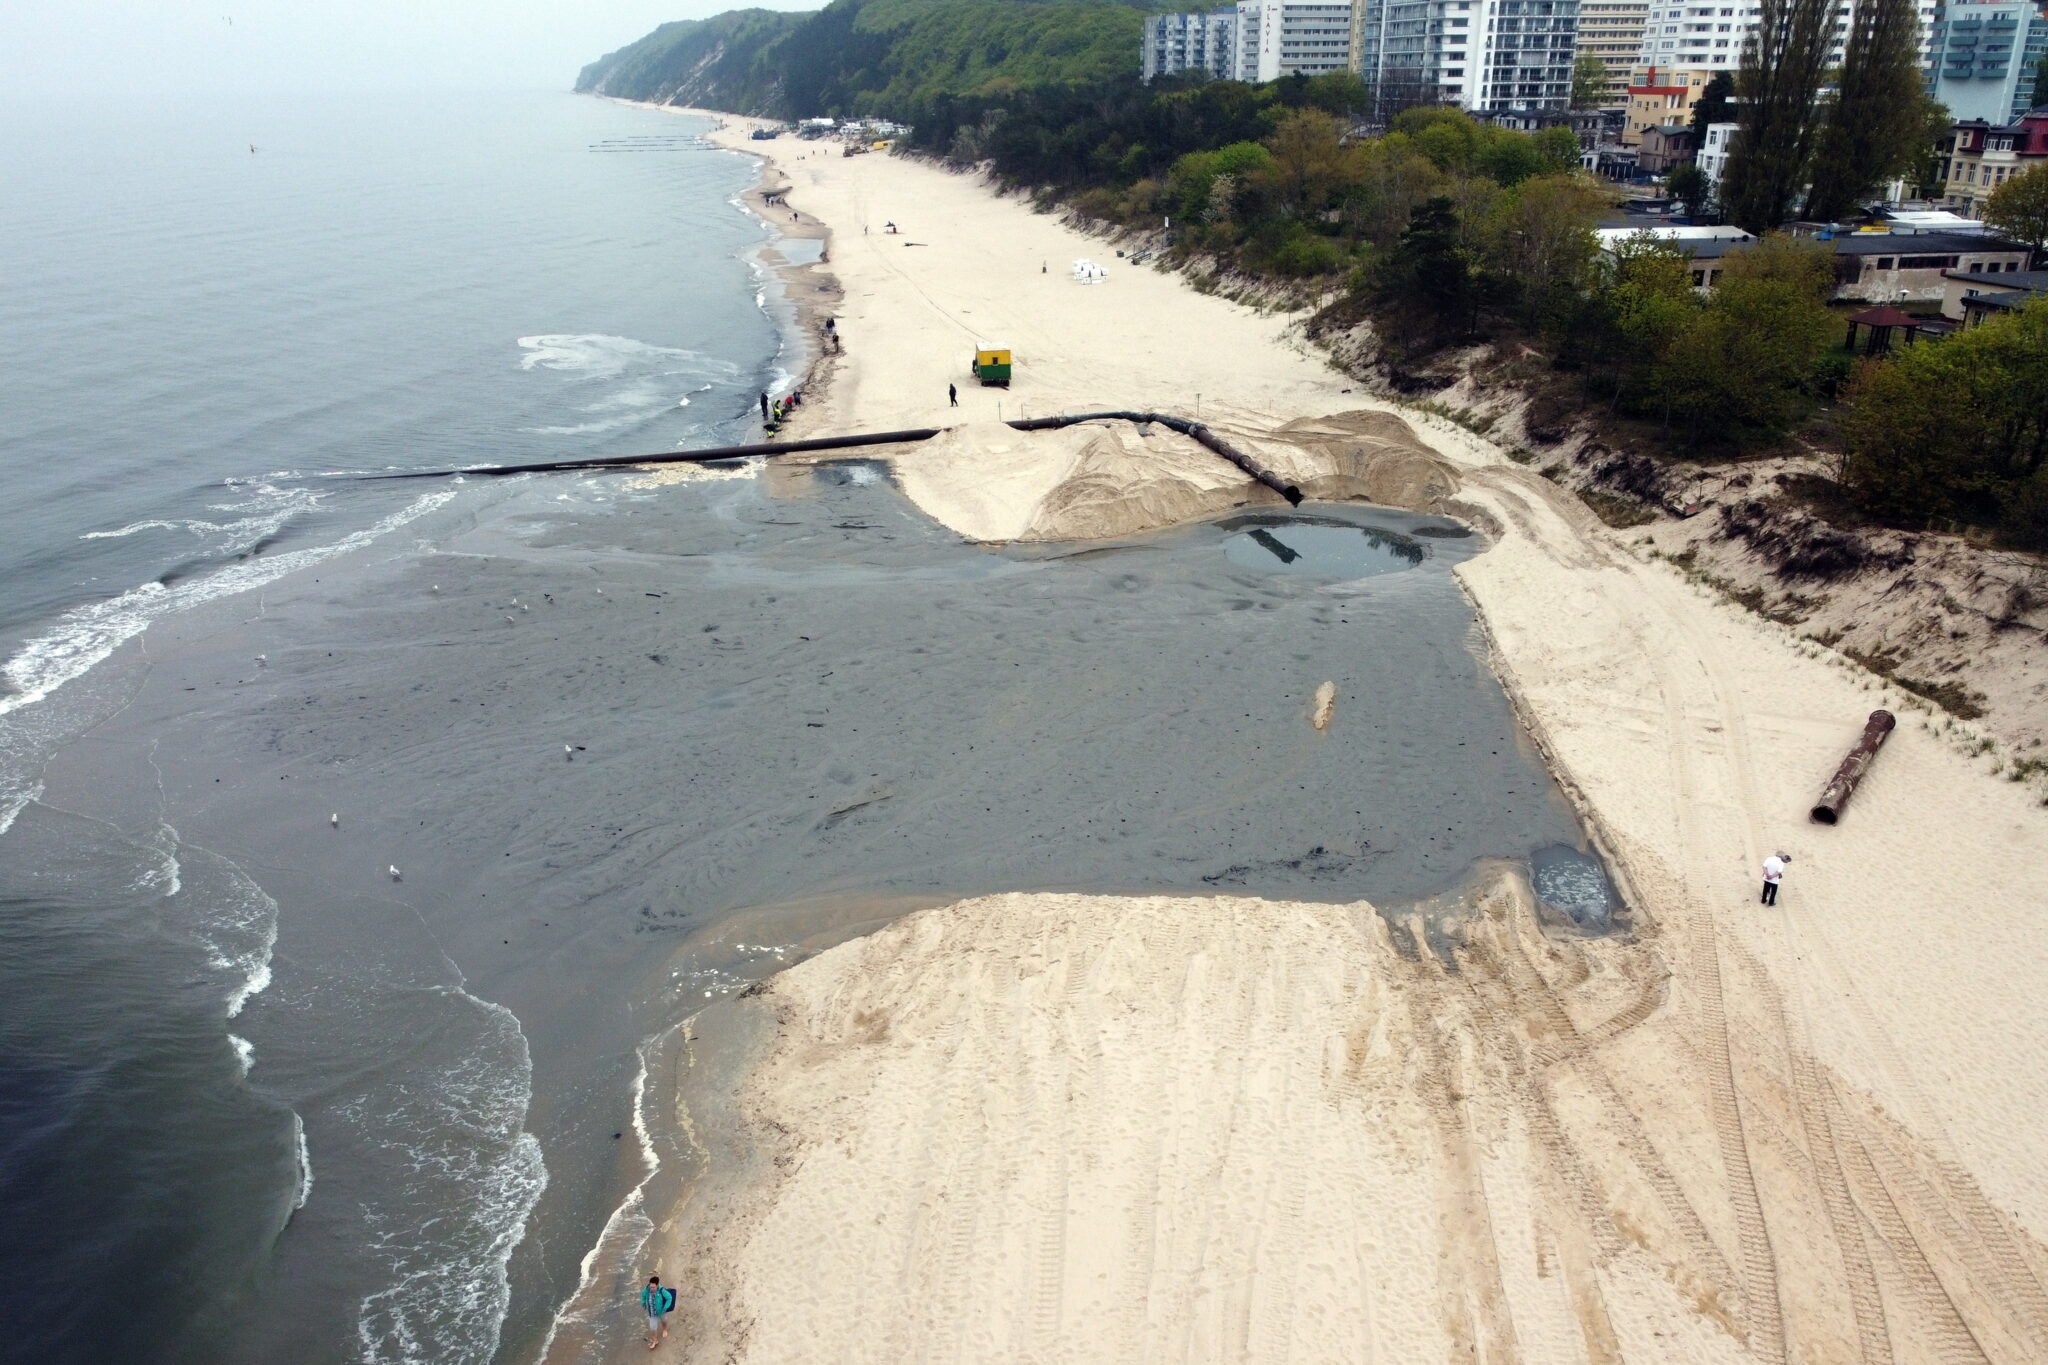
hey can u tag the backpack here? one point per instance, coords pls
(668, 1299)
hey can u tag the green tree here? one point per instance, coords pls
(1653, 304)
(1780, 76)
(1448, 137)
(1874, 124)
(1559, 148)
(1688, 185)
(1388, 179)
(1930, 161)
(1955, 429)
(1589, 82)
(1744, 365)
(2019, 207)
(1193, 177)
(1308, 165)
(1716, 104)
(1540, 241)
(1426, 286)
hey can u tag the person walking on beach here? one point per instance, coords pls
(1774, 872)
(764, 405)
(657, 1301)
(952, 396)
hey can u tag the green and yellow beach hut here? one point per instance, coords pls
(992, 366)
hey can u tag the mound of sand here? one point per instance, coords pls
(1102, 479)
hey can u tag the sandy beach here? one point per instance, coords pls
(1091, 1128)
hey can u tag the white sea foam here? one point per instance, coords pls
(596, 354)
(12, 804)
(265, 509)
(449, 1292)
(245, 1051)
(85, 635)
(305, 1191)
(627, 1231)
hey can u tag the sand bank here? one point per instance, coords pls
(1091, 1128)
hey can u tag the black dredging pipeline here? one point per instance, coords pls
(706, 456)
(1200, 433)
(1842, 785)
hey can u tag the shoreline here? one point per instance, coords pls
(809, 287)
(1736, 1135)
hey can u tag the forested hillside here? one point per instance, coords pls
(884, 57)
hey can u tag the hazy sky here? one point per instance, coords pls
(108, 46)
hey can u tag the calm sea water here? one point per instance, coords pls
(209, 309)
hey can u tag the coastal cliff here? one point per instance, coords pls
(888, 57)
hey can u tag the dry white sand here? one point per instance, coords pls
(1072, 1128)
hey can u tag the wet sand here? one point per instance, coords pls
(776, 690)
(1733, 1135)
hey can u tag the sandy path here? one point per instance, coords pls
(1086, 1128)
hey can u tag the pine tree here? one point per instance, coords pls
(1874, 123)
(1777, 84)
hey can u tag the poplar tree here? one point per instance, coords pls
(1874, 123)
(1776, 85)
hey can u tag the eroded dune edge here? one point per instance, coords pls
(1085, 1128)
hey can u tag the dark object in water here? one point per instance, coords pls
(1842, 785)
(1280, 552)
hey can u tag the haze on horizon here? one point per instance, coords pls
(115, 47)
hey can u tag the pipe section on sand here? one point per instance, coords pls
(1195, 430)
(1842, 785)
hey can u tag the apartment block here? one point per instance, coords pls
(1278, 38)
(1612, 30)
(1707, 35)
(1182, 42)
(1982, 59)
(1482, 54)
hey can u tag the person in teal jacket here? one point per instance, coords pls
(657, 1301)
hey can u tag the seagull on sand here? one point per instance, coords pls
(394, 873)
(262, 660)
(510, 619)
(334, 820)
(569, 752)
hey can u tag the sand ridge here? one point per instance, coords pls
(1097, 1128)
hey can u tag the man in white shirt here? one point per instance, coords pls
(1774, 872)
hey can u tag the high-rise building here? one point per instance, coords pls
(1278, 38)
(1982, 59)
(1612, 30)
(1708, 35)
(1482, 54)
(1180, 42)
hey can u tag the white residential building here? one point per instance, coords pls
(1482, 54)
(1278, 38)
(1180, 42)
(1712, 157)
(1707, 35)
(1612, 30)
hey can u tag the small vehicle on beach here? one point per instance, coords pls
(992, 366)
